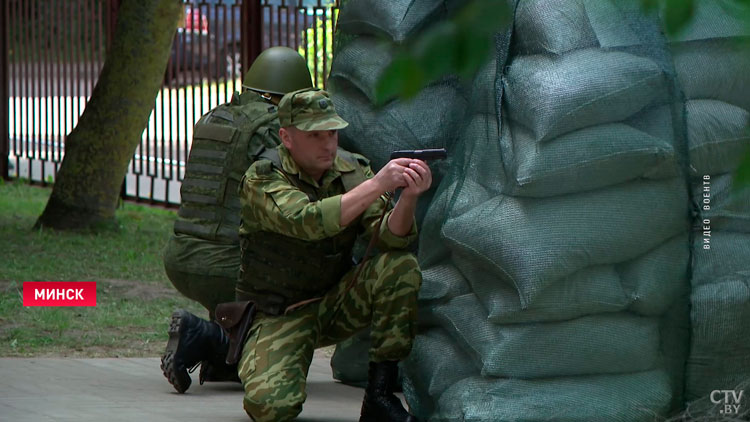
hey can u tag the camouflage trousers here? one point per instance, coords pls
(277, 355)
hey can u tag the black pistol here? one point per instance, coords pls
(421, 154)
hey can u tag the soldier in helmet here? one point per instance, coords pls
(303, 204)
(202, 258)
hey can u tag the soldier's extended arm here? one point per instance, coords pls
(271, 203)
(357, 200)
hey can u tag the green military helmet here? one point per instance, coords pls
(278, 70)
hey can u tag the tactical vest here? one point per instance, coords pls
(224, 140)
(278, 271)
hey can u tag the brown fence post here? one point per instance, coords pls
(4, 91)
(252, 31)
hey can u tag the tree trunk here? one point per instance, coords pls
(98, 150)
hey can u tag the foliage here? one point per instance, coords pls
(742, 177)
(676, 14)
(455, 46)
(318, 46)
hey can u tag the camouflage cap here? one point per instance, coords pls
(309, 109)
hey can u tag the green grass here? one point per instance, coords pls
(134, 297)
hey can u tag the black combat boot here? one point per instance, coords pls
(218, 371)
(191, 340)
(380, 404)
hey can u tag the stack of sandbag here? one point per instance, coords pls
(562, 234)
(371, 31)
(712, 58)
(567, 224)
(556, 250)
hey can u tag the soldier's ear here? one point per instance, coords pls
(285, 136)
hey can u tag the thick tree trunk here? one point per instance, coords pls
(98, 150)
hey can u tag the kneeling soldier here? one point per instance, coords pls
(303, 205)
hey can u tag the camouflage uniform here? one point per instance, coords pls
(279, 349)
(202, 258)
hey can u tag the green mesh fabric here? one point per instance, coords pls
(633, 397)
(562, 248)
(397, 21)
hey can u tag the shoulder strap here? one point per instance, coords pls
(272, 155)
(349, 179)
(353, 178)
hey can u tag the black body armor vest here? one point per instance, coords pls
(224, 140)
(278, 271)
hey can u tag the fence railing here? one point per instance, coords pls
(56, 48)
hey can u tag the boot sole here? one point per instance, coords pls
(179, 378)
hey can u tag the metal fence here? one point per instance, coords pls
(54, 50)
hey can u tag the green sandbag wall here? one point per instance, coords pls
(563, 249)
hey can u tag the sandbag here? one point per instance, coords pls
(622, 24)
(582, 346)
(552, 26)
(638, 397)
(674, 329)
(554, 95)
(720, 341)
(434, 364)
(592, 290)
(397, 21)
(445, 199)
(718, 136)
(647, 285)
(558, 27)
(728, 256)
(529, 243)
(430, 120)
(361, 62)
(586, 159)
(484, 159)
(442, 281)
(659, 121)
(716, 200)
(658, 278)
(484, 88)
(714, 19)
(714, 69)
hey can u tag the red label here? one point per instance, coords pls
(59, 293)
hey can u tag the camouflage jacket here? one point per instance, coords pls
(271, 202)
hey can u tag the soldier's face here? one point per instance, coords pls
(314, 151)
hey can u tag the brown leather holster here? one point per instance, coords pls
(236, 318)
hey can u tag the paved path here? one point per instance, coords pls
(134, 389)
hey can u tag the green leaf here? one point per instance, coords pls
(403, 77)
(484, 16)
(742, 176)
(457, 46)
(649, 5)
(474, 49)
(436, 50)
(677, 13)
